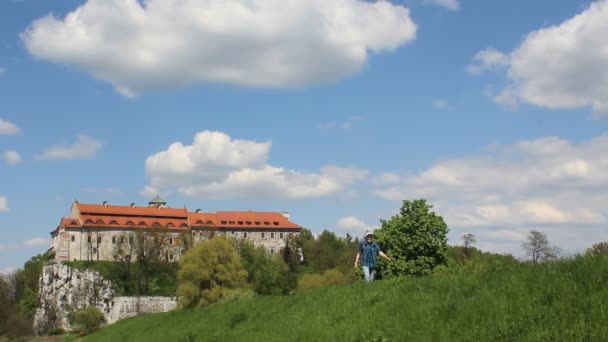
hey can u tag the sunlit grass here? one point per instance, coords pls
(502, 301)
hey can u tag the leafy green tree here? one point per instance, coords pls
(267, 275)
(210, 271)
(87, 320)
(415, 239)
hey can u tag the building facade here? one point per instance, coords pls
(125, 232)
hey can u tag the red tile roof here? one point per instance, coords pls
(126, 210)
(118, 216)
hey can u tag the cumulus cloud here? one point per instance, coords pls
(489, 59)
(217, 166)
(353, 226)
(548, 183)
(12, 157)
(31, 243)
(3, 205)
(141, 46)
(8, 128)
(558, 67)
(84, 148)
(451, 5)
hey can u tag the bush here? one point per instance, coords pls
(56, 332)
(329, 277)
(87, 320)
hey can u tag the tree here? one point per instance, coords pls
(210, 271)
(537, 247)
(267, 274)
(415, 239)
(598, 249)
(469, 240)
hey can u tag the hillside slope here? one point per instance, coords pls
(565, 300)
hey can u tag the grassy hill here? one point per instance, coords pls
(498, 301)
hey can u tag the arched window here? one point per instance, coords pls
(183, 225)
(88, 221)
(209, 222)
(200, 222)
(130, 223)
(142, 223)
(99, 222)
(170, 225)
(113, 222)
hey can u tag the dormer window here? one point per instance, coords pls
(276, 223)
(224, 222)
(142, 223)
(231, 222)
(209, 222)
(89, 221)
(200, 222)
(248, 222)
(266, 223)
(170, 225)
(257, 223)
(130, 223)
(113, 222)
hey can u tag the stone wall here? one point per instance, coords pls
(64, 290)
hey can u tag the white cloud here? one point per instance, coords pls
(557, 67)
(145, 46)
(107, 191)
(4, 205)
(217, 166)
(452, 5)
(8, 128)
(84, 148)
(551, 183)
(31, 243)
(12, 157)
(489, 59)
(386, 178)
(353, 225)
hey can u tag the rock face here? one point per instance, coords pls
(64, 290)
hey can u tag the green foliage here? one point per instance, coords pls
(28, 303)
(415, 239)
(501, 300)
(329, 277)
(267, 275)
(87, 320)
(127, 279)
(210, 271)
(56, 332)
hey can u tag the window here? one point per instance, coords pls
(276, 223)
(257, 223)
(130, 223)
(89, 239)
(171, 241)
(272, 235)
(94, 250)
(113, 222)
(232, 232)
(113, 239)
(272, 251)
(99, 239)
(248, 222)
(262, 235)
(266, 223)
(240, 222)
(122, 239)
(199, 222)
(231, 222)
(171, 257)
(158, 252)
(245, 235)
(280, 235)
(130, 240)
(224, 222)
(73, 238)
(170, 225)
(209, 222)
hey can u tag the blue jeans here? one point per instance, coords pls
(369, 273)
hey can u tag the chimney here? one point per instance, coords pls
(198, 211)
(105, 204)
(286, 214)
(133, 205)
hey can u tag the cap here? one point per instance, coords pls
(368, 233)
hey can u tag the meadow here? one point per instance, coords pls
(498, 300)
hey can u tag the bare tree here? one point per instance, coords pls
(469, 240)
(537, 247)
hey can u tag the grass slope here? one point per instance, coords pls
(561, 301)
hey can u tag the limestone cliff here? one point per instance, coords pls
(64, 290)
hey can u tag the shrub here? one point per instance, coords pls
(87, 320)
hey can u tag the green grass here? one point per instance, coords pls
(502, 301)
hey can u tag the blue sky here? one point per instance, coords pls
(332, 110)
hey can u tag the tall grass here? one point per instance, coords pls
(501, 301)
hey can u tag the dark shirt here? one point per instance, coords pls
(369, 253)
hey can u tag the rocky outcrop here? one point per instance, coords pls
(64, 290)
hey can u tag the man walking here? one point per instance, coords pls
(368, 253)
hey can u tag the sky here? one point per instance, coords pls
(336, 111)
